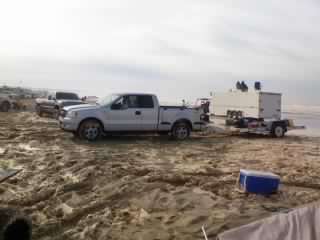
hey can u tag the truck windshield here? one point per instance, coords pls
(67, 96)
(108, 99)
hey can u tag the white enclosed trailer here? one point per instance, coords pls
(254, 104)
(251, 112)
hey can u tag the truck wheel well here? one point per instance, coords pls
(91, 118)
(183, 121)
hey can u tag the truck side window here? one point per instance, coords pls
(119, 104)
(131, 101)
(146, 102)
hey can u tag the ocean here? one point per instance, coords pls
(304, 116)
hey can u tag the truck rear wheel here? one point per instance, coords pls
(13, 225)
(181, 131)
(90, 130)
(5, 106)
(56, 114)
(38, 111)
(278, 131)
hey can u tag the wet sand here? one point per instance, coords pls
(146, 187)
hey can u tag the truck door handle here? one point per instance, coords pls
(138, 113)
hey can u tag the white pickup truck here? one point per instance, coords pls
(130, 113)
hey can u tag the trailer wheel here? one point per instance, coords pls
(13, 225)
(278, 131)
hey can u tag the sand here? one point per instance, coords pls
(146, 187)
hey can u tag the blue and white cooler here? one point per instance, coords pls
(258, 182)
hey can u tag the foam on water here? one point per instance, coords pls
(308, 116)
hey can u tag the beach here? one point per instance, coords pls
(146, 187)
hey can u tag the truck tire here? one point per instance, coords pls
(5, 106)
(56, 114)
(181, 131)
(38, 111)
(278, 131)
(228, 114)
(90, 130)
(14, 226)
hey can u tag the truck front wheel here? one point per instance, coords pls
(181, 131)
(278, 131)
(90, 130)
(38, 111)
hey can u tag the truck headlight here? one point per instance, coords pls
(72, 114)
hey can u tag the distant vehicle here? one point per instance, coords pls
(90, 99)
(11, 101)
(130, 113)
(5, 103)
(55, 103)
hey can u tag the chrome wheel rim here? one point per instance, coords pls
(279, 131)
(91, 132)
(182, 132)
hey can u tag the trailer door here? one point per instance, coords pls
(270, 106)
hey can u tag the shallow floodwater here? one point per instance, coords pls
(311, 120)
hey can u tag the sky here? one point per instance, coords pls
(178, 49)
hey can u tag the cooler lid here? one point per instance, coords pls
(254, 173)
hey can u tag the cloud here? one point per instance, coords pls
(203, 45)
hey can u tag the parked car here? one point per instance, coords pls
(130, 113)
(55, 103)
(5, 103)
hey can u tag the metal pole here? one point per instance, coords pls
(204, 233)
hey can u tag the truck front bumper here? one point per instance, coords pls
(68, 124)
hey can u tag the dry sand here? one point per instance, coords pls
(146, 187)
